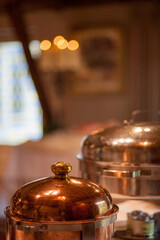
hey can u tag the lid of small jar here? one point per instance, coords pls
(129, 143)
(61, 198)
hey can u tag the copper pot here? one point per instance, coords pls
(125, 159)
(61, 207)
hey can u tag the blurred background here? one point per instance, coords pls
(67, 68)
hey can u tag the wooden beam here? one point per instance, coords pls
(20, 28)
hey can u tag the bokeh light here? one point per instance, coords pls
(34, 47)
(62, 44)
(73, 45)
(57, 39)
(45, 45)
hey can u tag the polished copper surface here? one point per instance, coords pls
(102, 233)
(61, 169)
(133, 142)
(47, 235)
(124, 159)
(61, 198)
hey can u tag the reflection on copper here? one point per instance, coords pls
(55, 192)
(119, 174)
(100, 202)
(124, 184)
(138, 129)
(75, 181)
(47, 193)
(121, 140)
(61, 198)
(126, 156)
(51, 192)
(94, 185)
(97, 131)
(92, 146)
(89, 185)
(147, 129)
(96, 190)
(146, 143)
(128, 140)
(82, 204)
(102, 206)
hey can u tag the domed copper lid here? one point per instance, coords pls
(61, 198)
(129, 143)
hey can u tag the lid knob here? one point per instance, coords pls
(61, 169)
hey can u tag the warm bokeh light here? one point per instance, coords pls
(73, 45)
(45, 45)
(57, 39)
(62, 44)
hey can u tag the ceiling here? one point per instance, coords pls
(28, 5)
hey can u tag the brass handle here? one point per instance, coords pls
(117, 173)
(61, 169)
(129, 173)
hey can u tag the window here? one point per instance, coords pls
(20, 110)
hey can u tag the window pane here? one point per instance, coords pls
(20, 110)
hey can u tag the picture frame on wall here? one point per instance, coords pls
(100, 61)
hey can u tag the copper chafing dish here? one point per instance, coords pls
(61, 207)
(125, 158)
